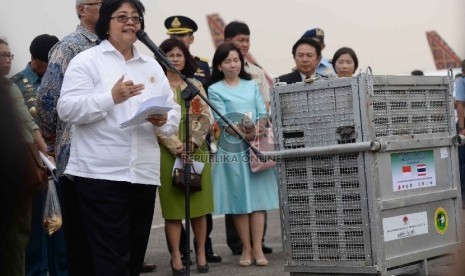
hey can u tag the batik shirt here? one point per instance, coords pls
(57, 134)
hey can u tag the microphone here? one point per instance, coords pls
(159, 55)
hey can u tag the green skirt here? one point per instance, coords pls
(172, 199)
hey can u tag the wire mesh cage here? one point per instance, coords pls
(331, 219)
(403, 108)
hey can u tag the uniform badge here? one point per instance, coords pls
(33, 111)
(176, 23)
(200, 72)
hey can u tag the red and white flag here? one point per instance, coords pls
(406, 170)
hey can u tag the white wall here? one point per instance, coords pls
(389, 36)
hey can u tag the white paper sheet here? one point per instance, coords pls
(197, 166)
(50, 166)
(155, 105)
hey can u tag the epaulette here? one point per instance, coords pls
(16, 77)
(202, 59)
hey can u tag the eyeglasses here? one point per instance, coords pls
(93, 4)
(7, 56)
(122, 18)
(173, 56)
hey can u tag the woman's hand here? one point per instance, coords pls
(123, 90)
(179, 148)
(262, 123)
(249, 132)
(192, 146)
(157, 120)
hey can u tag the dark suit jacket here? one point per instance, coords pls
(292, 77)
(295, 76)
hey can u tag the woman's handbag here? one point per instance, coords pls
(195, 184)
(39, 174)
(262, 144)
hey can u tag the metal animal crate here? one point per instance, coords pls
(367, 165)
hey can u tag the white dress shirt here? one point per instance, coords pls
(100, 149)
(258, 75)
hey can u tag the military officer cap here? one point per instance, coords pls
(316, 32)
(179, 24)
(41, 45)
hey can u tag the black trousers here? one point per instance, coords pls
(76, 242)
(232, 237)
(117, 218)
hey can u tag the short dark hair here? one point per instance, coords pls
(221, 53)
(107, 8)
(189, 66)
(235, 28)
(417, 73)
(342, 51)
(41, 45)
(308, 41)
(463, 65)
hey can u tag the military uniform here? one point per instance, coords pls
(40, 247)
(325, 68)
(28, 82)
(44, 254)
(180, 26)
(202, 73)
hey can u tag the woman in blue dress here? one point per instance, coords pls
(236, 190)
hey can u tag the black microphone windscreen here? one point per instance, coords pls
(140, 33)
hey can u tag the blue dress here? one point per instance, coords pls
(236, 190)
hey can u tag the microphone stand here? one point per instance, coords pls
(188, 94)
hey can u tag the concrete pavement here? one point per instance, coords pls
(157, 251)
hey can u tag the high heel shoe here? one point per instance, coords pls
(246, 262)
(176, 271)
(246, 258)
(202, 268)
(261, 262)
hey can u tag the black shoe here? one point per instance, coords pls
(267, 249)
(147, 267)
(177, 272)
(184, 261)
(213, 258)
(202, 268)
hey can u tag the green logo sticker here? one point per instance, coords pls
(441, 220)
